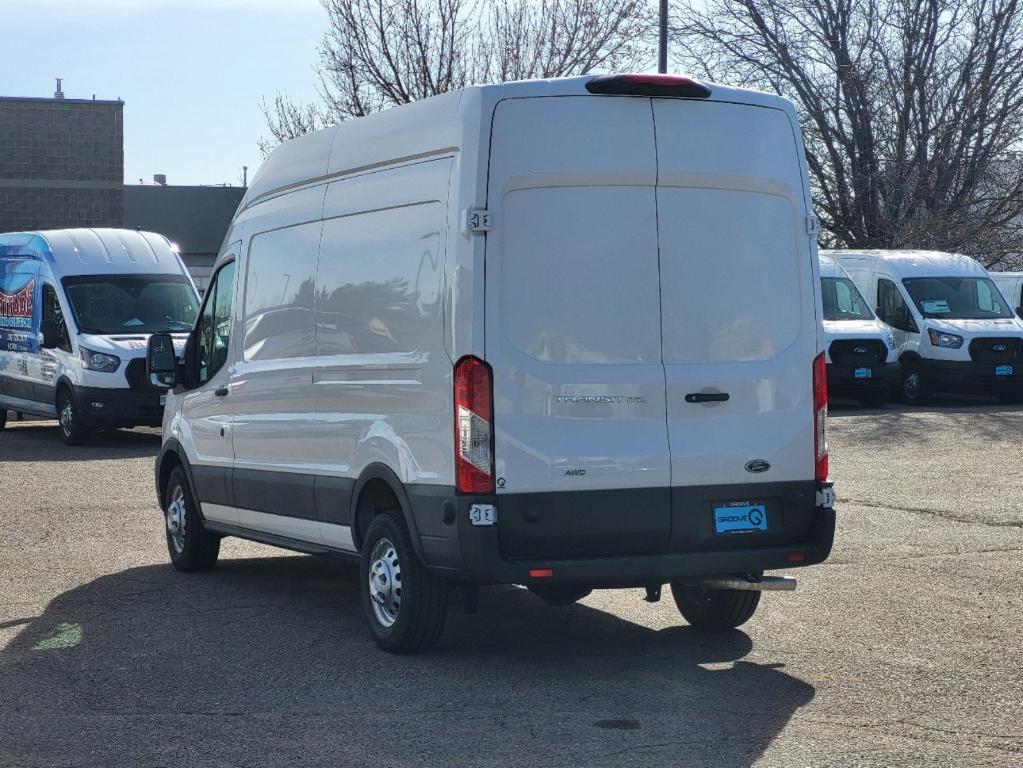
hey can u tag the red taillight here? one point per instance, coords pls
(474, 432)
(820, 417)
(541, 573)
(796, 557)
(641, 84)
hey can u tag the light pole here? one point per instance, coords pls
(662, 48)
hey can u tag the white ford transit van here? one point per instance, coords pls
(1011, 286)
(77, 307)
(563, 334)
(862, 362)
(953, 329)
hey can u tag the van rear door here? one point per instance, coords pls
(573, 329)
(738, 331)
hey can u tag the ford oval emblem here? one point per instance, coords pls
(757, 465)
(999, 348)
(860, 350)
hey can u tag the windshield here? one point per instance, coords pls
(112, 304)
(842, 301)
(957, 298)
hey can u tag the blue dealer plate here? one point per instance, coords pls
(1003, 370)
(862, 373)
(740, 517)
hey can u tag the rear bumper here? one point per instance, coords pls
(843, 380)
(477, 553)
(953, 375)
(103, 407)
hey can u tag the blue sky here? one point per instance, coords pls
(191, 72)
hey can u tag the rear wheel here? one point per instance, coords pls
(191, 547)
(71, 428)
(405, 605)
(715, 608)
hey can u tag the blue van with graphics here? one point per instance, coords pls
(77, 307)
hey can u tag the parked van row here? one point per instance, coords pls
(951, 328)
(77, 308)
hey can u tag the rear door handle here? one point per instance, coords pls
(221, 391)
(706, 397)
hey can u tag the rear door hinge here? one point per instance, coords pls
(477, 220)
(813, 225)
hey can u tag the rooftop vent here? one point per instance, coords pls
(59, 93)
(160, 178)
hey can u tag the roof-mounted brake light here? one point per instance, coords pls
(648, 85)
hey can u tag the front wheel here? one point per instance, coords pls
(715, 608)
(405, 605)
(191, 547)
(71, 428)
(914, 388)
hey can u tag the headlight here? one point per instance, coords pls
(947, 340)
(99, 361)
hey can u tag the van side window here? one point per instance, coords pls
(213, 329)
(986, 297)
(892, 308)
(52, 311)
(280, 279)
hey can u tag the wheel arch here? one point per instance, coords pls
(376, 486)
(171, 455)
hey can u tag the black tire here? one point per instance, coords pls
(196, 549)
(69, 420)
(874, 399)
(410, 597)
(914, 388)
(715, 608)
(3, 419)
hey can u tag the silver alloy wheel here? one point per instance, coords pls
(176, 519)
(385, 582)
(67, 417)
(911, 385)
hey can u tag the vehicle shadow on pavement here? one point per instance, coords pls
(268, 662)
(41, 441)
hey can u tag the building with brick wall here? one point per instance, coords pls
(61, 163)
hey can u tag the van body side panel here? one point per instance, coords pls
(573, 324)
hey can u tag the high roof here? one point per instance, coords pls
(913, 261)
(96, 251)
(423, 128)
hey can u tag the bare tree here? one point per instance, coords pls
(912, 109)
(380, 53)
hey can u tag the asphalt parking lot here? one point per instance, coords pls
(903, 649)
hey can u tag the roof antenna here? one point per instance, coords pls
(59, 93)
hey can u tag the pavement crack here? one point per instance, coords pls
(940, 513)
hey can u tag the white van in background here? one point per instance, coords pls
(862, 361)
(559, 333)
(1011, 286)
(77, 307)
(953, 329)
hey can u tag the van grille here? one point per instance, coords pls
(995, 350)
(857, 353)
(135, 373)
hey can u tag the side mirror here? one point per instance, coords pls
(51, 334)
(161, 364)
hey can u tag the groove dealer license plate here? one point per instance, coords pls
(740, 517)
